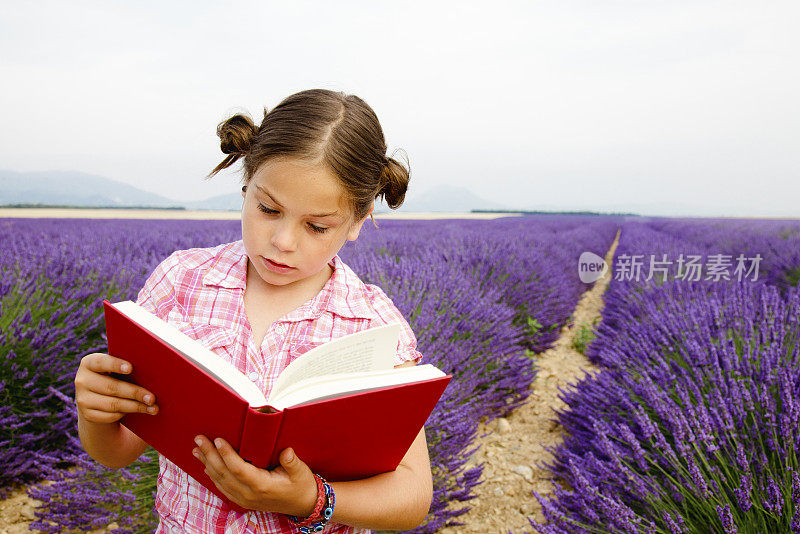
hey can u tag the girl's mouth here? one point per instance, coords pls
(275, 266)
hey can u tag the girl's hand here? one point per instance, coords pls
(101, 398)
(290, 488)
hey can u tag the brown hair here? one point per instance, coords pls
(321, 126)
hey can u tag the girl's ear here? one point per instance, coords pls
(352, 234)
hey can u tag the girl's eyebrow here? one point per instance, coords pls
(275, 200)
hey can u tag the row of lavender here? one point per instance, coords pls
(464, 286)
(692, 424)
(471, 290)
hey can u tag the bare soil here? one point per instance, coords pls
(16, 512)
(512, 448)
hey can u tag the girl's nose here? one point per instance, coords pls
(283, 238)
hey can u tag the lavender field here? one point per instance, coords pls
(482, 297)
(691, 425)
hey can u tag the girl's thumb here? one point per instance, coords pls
(288, 458)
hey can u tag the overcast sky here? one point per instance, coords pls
(663, 107)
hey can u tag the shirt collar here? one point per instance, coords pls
(228, 267)
(343, 294)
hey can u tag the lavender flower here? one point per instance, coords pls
(727, 519)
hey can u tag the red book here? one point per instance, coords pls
(344, 426)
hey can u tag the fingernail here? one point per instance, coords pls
(125, 367)
(218, 443)
(148, 398)
(151, 409)
(198, 441)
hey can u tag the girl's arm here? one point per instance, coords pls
(110, 444)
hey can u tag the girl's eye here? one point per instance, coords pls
(314, 228)
(265, 209)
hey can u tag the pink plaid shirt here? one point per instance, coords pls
(201, 291)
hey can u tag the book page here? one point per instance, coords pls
(368, 350)
(323, 387)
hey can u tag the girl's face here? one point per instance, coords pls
(295, 218)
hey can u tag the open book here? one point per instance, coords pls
(341, 406)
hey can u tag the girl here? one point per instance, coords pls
(312, 171)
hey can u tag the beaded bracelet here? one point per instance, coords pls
(316, 521)
(315, 513)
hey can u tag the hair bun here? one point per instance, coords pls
(394, 183)
(235, 134)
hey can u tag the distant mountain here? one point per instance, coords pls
(230, 201)
(71, 188)
(442, 198)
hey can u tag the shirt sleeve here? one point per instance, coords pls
(158, 293)
(386, 313)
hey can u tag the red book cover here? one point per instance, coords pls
(344, 438)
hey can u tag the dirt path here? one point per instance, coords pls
(16, 512)
(514, 446)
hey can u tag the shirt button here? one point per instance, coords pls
(253, 376)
